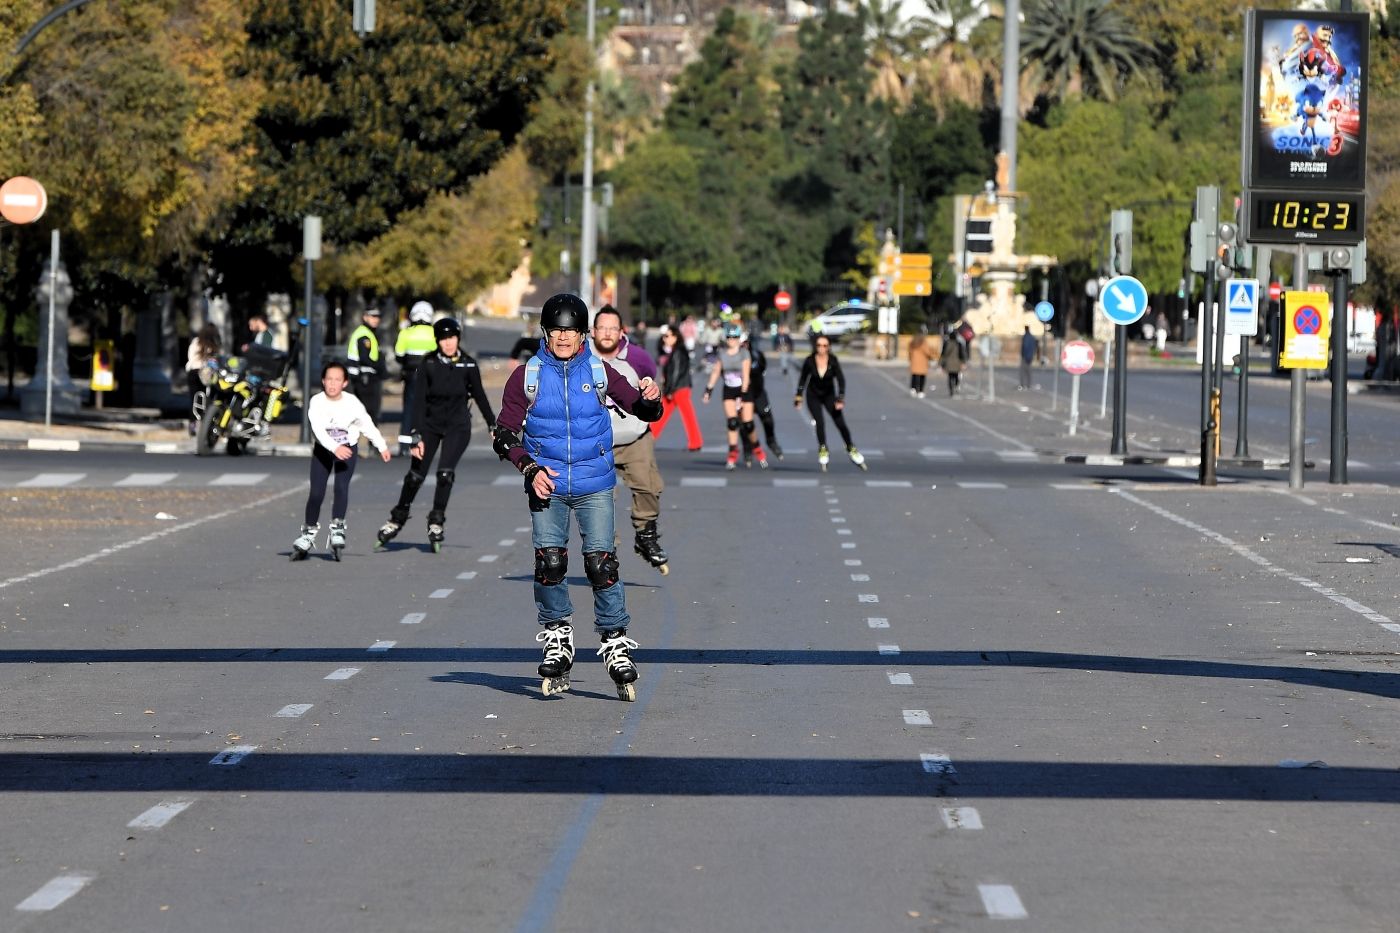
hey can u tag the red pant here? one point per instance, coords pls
(681, 400)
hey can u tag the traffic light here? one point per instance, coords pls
(979, 235)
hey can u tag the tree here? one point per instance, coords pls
(889, 52)
(954, 60)
(1082, 47)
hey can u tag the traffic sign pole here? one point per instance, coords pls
(1242, 413)
(1120, 391)
(1337, 469)
(1297, 401)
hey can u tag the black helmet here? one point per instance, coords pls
(447, 327)
(564, 311)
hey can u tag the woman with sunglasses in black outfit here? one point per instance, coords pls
(824, 385)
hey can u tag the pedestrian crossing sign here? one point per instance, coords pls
(1242, 307)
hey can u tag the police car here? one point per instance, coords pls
(848, 317)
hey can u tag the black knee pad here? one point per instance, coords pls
(445, 479)
(414, 480)
(551, 565)
(732, 424)
(748, 427)
(601, 567)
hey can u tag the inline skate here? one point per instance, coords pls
(337, 537)
(305, 541)
(616, 653)
(558, 639)
(648, 545)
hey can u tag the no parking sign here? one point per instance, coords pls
(1307, 320)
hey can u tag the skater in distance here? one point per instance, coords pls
(554, 427)
(734, 367)
(824, 385)
(338, 420)
(445, 385)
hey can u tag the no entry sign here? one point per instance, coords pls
(782, 301)
(22, 200)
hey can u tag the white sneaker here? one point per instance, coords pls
(921, 395)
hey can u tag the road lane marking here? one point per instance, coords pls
(844, 531)
(1002, 902)
(1076, 487)
(852, 562)
(55, 892)
(293, 711)
(160, 814)
(46, 443)
(232, 755)
(413, 618)
(506, 542)
(145, 479)
(962, 818)
(145, 539)
(868, 598)
(522, 531)
(887, 649)
(708, 481)
(833, 511)
(1017, 455)
(900, 679)
(381, 646)
(1340, 599)
(877, 622)
(939, 453)
(441, 594)
(238, 479)
(969, 485)
(44, 480)
(860, 577)
(467, 575)
(917, 717)
(508, 481)
(487, 558)
(838, 519)
(936, 762)
(848, 545)
(783, 483)
(889, 484)
(342, 673)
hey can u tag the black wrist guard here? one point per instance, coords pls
(503, 440)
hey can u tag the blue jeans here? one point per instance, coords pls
(595, 526)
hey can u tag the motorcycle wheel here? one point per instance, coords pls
(237, 446)
(206, 437)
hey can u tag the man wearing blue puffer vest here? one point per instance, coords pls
(554, 427)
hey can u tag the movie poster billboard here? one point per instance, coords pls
(1307, 100)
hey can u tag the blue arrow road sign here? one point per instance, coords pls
(1044, 311)
(1124, 299)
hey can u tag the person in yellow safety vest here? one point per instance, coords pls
(365, 364)
(414, 343)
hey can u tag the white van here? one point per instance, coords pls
(849, 317)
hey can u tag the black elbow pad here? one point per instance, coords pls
(503, 440)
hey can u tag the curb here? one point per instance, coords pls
(73, 445)
(1178, 460)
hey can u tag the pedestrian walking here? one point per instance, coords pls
(674, 365)
(758, 399)
(734, 367)
(564, 451)
(634, 447)
(447, 383)
(1030, 349)
(824, 385)
(204, 349)
(918, 364)
(951, 358)
(338, 421)
(782, 342)
(365, 363)
(413, 345)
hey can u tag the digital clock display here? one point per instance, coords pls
(1310, 218)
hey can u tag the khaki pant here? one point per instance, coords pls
(636, 464)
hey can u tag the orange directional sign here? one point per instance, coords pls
(22, 200)
(906, 287)
(913, 261)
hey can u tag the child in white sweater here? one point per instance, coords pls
(338, 420)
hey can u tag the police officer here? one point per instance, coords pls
(365, 364)
(448, 382)
(414, 343)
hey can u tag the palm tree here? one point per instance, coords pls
(1079, 47)
(889, 58)
(952, 65)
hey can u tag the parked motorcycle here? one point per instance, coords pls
(244, 396)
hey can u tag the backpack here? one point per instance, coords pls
(532, 380)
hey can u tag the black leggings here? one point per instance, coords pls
(763, 413)
(917, 382)
(323, 464)
(452, 444)
(815, 404)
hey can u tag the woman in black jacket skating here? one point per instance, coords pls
(824, 385)
(447, 383)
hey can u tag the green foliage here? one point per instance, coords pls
(928, 154)
(1082, 46)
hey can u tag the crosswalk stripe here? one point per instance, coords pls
(51, 479)
(238, 479)
(145, 479)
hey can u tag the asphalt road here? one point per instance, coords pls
(973, 686)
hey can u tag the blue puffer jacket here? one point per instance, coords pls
(568, 428)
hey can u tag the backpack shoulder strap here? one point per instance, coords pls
(532, 381)
(600, 379)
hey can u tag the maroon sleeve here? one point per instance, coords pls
(620, 390)
(513, 408)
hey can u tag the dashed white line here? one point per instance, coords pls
(293, 711)
(441, 594)
(342, 673)
(838, 520)
(507, 481)
(877, 622)
(887, 649)
(50, 479)
(848, 545)
(467, 575)
(145, 479)
(413, 618)
(709, 481)
(917, 717)
(783, 483)
(487, 558)
(868, 598)
(969, 485)
(1002, 902)
(860, 578)
(1075, 487)
(506, 542)
(160, 814)
(522, 531)
(844, 531)
(1017, 455)
(381, 646)
(938, 453)
(936, 762)
(962, 818)
(900, 679)
(55, 892)
(233, 755)
(238, 479)
(833, 511)
(889, 484)
(852, 562)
